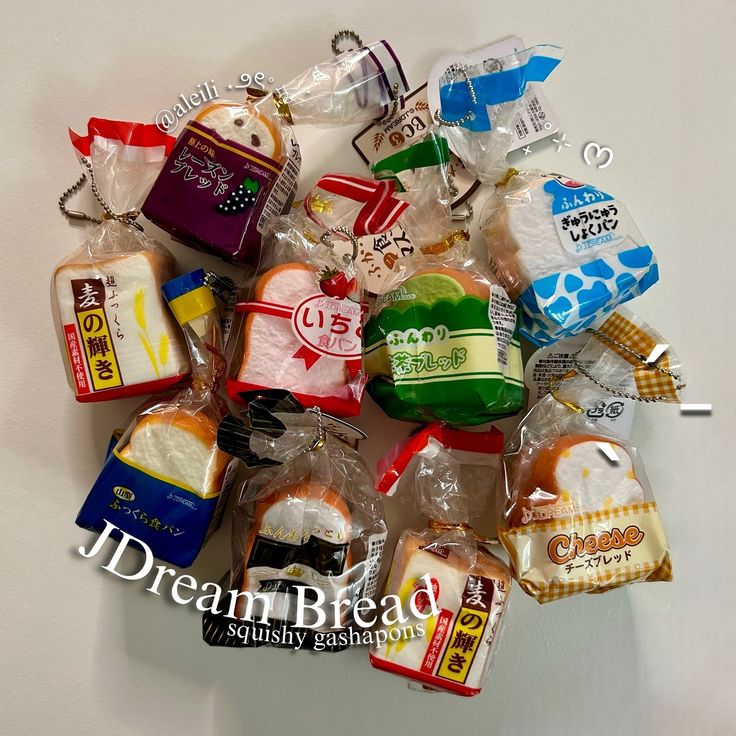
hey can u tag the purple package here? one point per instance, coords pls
(215, 194)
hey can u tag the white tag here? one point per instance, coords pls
(376, 543)
(613, 412)
(502, 313)
(284, 187)
(535, 119)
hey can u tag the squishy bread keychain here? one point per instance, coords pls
(578, 512)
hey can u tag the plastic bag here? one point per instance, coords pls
(237, 164)
(166, 483)
(420, 173)
(480, 131)
(116, 334)
(298, 325)
(441, 343)
(312, 522)
(567, 252)
(463, 588)
(578, 512)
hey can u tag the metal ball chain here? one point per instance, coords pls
(452, 70)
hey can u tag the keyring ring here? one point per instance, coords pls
(347, 233)
(345, 35)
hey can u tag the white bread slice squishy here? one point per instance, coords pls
(244, 126)
(179, 445)
(451, 574)
(575, 473)
(522, 240)
(270, 342)
(140, 310)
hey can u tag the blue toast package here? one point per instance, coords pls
(165, 482)
(566, 252)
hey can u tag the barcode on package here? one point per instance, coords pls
(373, 563)
(502, 313)
(283, 187)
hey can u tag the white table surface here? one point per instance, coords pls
(87, 653)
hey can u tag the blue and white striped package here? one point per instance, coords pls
(479, 102)
(566, 252)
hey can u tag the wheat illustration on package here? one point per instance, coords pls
(578, 514)
(566, 252)
(310, 517)
(237, 163)
(166, 482)
(116, 334)
(460, 590)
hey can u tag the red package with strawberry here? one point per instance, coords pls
(298, 324)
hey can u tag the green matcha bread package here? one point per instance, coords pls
(441, 342)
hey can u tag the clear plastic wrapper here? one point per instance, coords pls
(314, 523)
(237, 163)
(116, 334)
(441, 342)
(567, 252)
(420, 173)
(459, 590)
(578, 513)
(479, 103)
(298, 324)
(166, 482)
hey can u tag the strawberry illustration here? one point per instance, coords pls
(422, 601)
(333, 283)
(353, 290)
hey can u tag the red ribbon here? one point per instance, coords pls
(381, 210)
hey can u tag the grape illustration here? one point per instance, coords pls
(240, 199)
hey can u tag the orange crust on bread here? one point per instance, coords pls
(199, 425)
(275, 134)
(542, 475)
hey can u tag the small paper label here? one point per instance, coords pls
(329, 327)
(284, 187)
(502, 313)
(376, 543)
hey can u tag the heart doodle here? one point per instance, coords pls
(599, 152)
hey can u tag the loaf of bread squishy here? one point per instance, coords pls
(243, 125)
(575, 475)
(300, 529)
(181, 446)
(523, 243)
(269, 344)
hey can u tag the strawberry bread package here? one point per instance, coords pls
(298, 326)
(116, 334)
(566, 252)
(166, 482)
(236, 164)
(578, 514)
(441, 342)
(452, 590)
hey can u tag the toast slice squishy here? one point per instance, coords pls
(270, 344)
(180, 446)
(244, 126)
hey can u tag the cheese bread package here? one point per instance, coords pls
(452, 590)
(578, 511)
(116, 333)
(441, 342)
(236, 164)
(566, 252)
(166, 482)
(298, 326)
(310, 526)
(479, 102)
